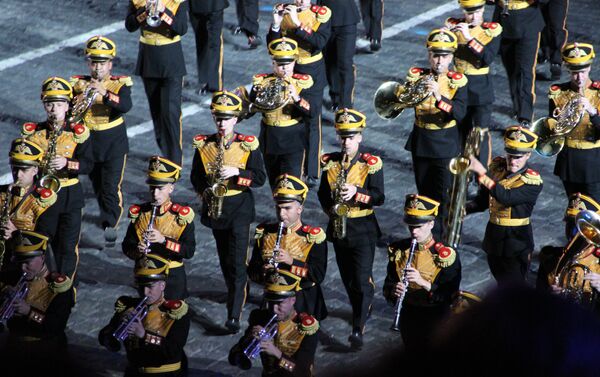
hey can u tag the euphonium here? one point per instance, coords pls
(404, 280)
(137, 314)
(217, 187)
(271, 94)
(153, 15)
(391, 98)
(8, 303)
(340, 207)
(459, 167)
(81, 104)
(251, 352)
(552, 131)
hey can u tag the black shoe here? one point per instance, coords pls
(205, 91)
(311, 182)
(254, 41)
(356, 339)
(110, 237)
(375, 45)
(233, 325)
(525, 123)
(236, 30)
(555, 71)
(542, 71)
(334, 107)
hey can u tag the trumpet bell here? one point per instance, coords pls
(385, 100)
(588, 225)
(50, 182)
(549, 142)
(459, 165)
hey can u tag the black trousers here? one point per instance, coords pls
(372, 16)
(313, 126)
(519, 57)
(277, 164)
(509, 268)
(591, 189)
(434, 180)
(164, 99)
(176, 288)
(106, 177)
(247, 15)
(339, 61)
(208, 29)
(355, 262)
(65, 244)
(232, 247)
(555, 33)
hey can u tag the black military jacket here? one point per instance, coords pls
(207, 6)
(344, 12)
(520, 23)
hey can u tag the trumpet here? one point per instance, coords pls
(251, 352)
(153, 18)
(273, 259)
(398, 308)
(137, 314)
(8, 304)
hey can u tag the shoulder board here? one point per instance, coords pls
(532, 177)
(303, 81)
(185, 214)
(414, 73)
(257, 79)
(554, 91)
(134, 212)
(327, 161)
(199, 141)
(176, 309)
(73, 80)
(80, 133)
(322, 12)
(45, 197)
(259, 231)
(28, 128)
(123, 303)
(393, 250)
(307, 324)
(59, 283)
(249, 142)
(123, 80)
(445, 255)
(374, 162)
(492, 29)
(457, 79)
(596, 84)
(314, 234)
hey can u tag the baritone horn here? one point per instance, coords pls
(391, 98)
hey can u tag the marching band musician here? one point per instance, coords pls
(576, 163)
(292, 246)
(309, 26)
(154, 342)
(163, 227)
(362, 190)
(40, 314)
(107, 129)
(282, 131)
(30, 206)
(553, 39)
(161, 66)
(241, 169)
(291, 351)
(434, 275)
(513, 191)
(67, 154)
(435, 137)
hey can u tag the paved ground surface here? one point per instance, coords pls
(106, 274)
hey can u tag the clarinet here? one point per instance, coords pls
(411, 255)
(149, 229)
(273, 259)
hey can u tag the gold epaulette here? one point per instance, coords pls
(374, 162)
(134, 212)
(80, 133)
(123, 303)
(258, 78)
(457, 79)
(249, 142)
(492, 29)
(126, 80)
(322, 13)
(414, 73)
(303, 81)
(326, 161)
(308, 325)
(28, 129)
(259, 232)
(444, 256)
(199, 141)
(532, 177)
(393, 252)
(554, 91)
(59, 283)
(185, 214)
(78, 82)
(176, 309)
(314, 234)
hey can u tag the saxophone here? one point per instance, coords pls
(45, 167)
(217, 187)
(340, 208)
(4, 218)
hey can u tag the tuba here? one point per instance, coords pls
(569, 272)
(81, 104)
(552, 131)
(271, 94)
(217, 187)
(391, 98)
(459, 167)
(340, 207)
(268, 332)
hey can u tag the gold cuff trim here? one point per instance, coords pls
(509, 222)
(68, 182)
(475, 71)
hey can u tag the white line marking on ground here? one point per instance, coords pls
(419, 19)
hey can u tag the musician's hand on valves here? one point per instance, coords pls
(137, 329)
(22, 307)
(434, 88)
(292, 10)
(269, 348)
(594, 280)
(8, 229)
(98, 87)
(588, 106)
(348, 192)
(414, 276)
(229, 171)
(155, 236)
(398, 290)
(58, 162)
(476, 166)
(284, 257)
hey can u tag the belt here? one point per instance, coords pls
(582, 144)
(105, 126)
(509, 222)
(476, 71)
(68, 182)
(175, 264)
(159, 40)
(310, 59)
(161, 369)
(26, 338)
(281, 123)
(231, 192)
(359, 213)
(433, 126)
(514, 5)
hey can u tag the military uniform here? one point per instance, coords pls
(174, 221)
(73, 143)
(231, 227)
(355, 251)
(206, 18)
(161, 65)
(575, 164)
(372, 16)
(167, 324)
(554, 35)
(247, 16)
(522, 23)
(339, 52)
(108, 132)
(312, 36)
(508, 239)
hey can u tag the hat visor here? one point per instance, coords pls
(149, 279)
(578, 67)
(417, 220)
(348, 133)
(516, 152)
(288, 198)
(19, 257)
(154, 182)
(283, 61)
(56, 98)
(442, 51)
(99, 58)
(278, 296)
(473, 9)
(225, 114)
(23, 163)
